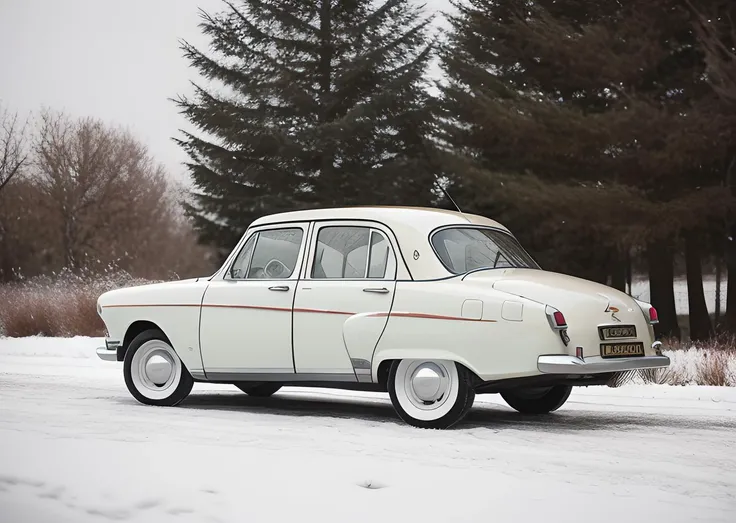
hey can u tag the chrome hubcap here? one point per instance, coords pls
(428, 383)
(158, 369)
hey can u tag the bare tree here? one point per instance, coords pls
(13, 154)
(106, 195)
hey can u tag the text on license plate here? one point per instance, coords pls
(617, 350)
(621, 331)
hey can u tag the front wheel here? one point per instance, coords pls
(153, 372)
(540, 400)
(430, 394)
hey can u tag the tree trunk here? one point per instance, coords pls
(717, 320)
(730, 319)
(700, 326)
(661, 281)
(618, 271)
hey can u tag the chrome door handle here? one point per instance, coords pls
(282, 288)
(381, 290)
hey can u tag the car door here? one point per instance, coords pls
(343, 300)
(245, 326)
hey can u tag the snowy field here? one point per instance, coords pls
(76, 447)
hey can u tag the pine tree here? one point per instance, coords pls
(592, 126)
(308, 103)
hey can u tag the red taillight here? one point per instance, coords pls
(653, 316)
(560, 319)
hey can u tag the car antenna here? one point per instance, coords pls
(446, 193)
(432, 163)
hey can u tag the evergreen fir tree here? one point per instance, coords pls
(590, 126)
(308, 103)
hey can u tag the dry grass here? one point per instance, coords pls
(63, 305)
(711, 362)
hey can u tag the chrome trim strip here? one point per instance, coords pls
(251, 370)
(284, 377)
(107, 354)
(563, 364)
(365, 378)
(197, 374)
(360, 363)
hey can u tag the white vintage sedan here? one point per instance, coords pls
(430, 306)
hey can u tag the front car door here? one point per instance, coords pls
(245, 329)
(343, 300)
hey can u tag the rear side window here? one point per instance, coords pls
(348, 252)
(463, 249)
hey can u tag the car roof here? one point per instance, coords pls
(412, 227)
(421, 218)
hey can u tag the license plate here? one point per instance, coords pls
(619, 331)
(621, 350)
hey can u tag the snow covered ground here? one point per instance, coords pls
(76, 447)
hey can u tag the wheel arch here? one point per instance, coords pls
(133, 330)
(382, 361)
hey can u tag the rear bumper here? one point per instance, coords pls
(110, 351)
(563, 364)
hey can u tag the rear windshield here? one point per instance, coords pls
(462, 249)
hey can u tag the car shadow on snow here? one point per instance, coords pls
(485, 415)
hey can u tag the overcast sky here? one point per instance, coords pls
(118, 60)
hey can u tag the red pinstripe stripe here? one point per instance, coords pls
(417, 315)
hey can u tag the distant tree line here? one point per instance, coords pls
(602, 133)
(82, 196)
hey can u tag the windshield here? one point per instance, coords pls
(462, 249)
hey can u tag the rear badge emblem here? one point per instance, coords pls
(613, 311)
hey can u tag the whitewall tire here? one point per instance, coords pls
(153, 372)
(433, 394)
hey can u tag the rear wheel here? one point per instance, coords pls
(261, 390)
(153, 372)
(430, 394)
(537, 400)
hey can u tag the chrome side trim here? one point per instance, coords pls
(365, 378)
(563, 364)
(197, 374)
(106, 354)
(283, 377)
(359, 363)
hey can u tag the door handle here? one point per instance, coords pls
(380, 290)
(282, 288)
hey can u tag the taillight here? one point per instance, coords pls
(556, 318)
(653, 316)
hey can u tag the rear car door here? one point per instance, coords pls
(343, 301)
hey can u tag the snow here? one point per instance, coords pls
(76, 447)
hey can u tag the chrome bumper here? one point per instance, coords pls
(562, 364)
(110, 351)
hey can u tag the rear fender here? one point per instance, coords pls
(417, 354)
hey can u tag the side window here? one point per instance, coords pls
(239, 268)
(350, 252)
(275, 254)
(381, 263)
